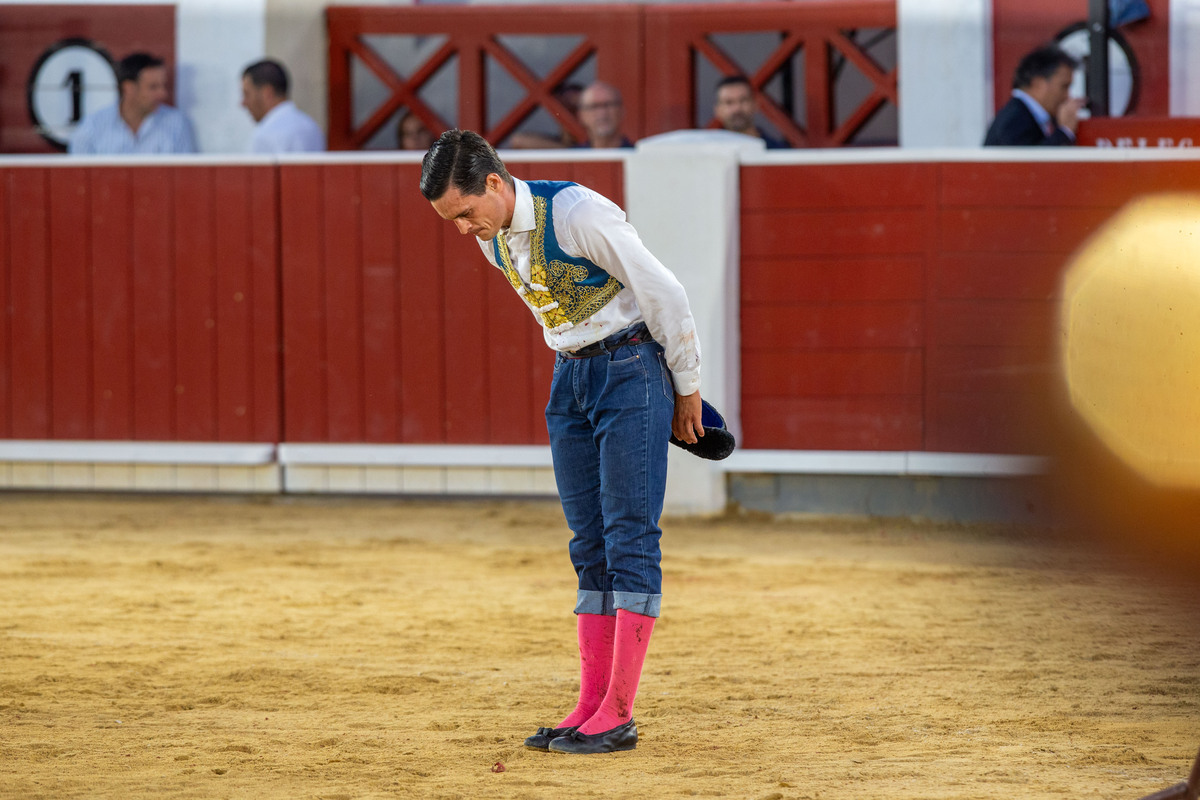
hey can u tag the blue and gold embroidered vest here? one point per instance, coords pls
(564, 290)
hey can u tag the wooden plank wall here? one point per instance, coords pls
(395, 328)
(833, 305)
(139, 303)
(913, 306)
(894, 306)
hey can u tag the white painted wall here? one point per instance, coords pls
(945, 65)
(215, 41)
(1185, 58)
(701, 246)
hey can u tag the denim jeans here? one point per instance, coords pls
(609, 419)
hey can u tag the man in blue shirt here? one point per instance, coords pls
(140, 123)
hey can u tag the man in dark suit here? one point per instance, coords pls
(1040, 111)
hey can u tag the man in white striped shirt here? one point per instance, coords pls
(140, 123)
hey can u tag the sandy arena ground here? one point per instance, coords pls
(299, 648)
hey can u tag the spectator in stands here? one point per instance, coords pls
(568, 94)
(411, 133)
(601, 112)
(141, 123)
(735, 108)
(1040, 111)
(282, 127)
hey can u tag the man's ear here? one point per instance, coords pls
(494, 182)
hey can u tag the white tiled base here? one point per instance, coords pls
(258, 479)
(319, 479)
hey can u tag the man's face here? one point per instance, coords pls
(481, 215)
(735, 107)
(600, 112)
(1052, 92)
(149, 91)
(254, 99)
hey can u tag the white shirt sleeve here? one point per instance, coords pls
(598, 230)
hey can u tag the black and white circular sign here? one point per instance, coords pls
(73, 78)
(1122, 67)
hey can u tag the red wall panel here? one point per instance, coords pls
(6, 381)
(395, 327)
(381, 290)
(70, 305)
(27, 232)
(139, 307)
(939, 283)
(112, 378)
(833, 287)
(194, 304)
(329, 303)
(340, 203)
(422, 261)
(151, 247)
(854, 422)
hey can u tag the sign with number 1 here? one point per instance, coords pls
(73, 78)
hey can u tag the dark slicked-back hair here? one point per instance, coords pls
(1041, 63)
(268, 72)
(131, 66)
(460, 159)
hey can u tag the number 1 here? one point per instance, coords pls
(75, 81)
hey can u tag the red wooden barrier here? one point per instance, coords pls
(677, 35)
(885, 306)
(656, 72)
(141, 304)
(610, 34)
(913, 306)
(833, 299)
(395, 328)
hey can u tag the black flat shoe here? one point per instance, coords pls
(622, 737)
(541, 739)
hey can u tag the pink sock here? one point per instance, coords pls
(595, 665)
(629, 653)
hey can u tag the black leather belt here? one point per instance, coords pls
(635, 334)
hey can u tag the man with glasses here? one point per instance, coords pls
(602, 112)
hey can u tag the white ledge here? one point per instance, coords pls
(810, 462)
(849, 462)
(92, 452)
(417, 455)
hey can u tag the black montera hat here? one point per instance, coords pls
(716, 443)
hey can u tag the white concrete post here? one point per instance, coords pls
(945, 65)
(1185, 58)
(215, 41)
(682, 195)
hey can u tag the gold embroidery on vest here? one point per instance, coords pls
(554, 289)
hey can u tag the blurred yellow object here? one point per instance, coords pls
(1130, 323)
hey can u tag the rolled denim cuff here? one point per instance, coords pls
(645, 604)
(590, 602)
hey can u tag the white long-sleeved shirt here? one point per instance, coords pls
(287, 129)
(166, 130)
(591, 226)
